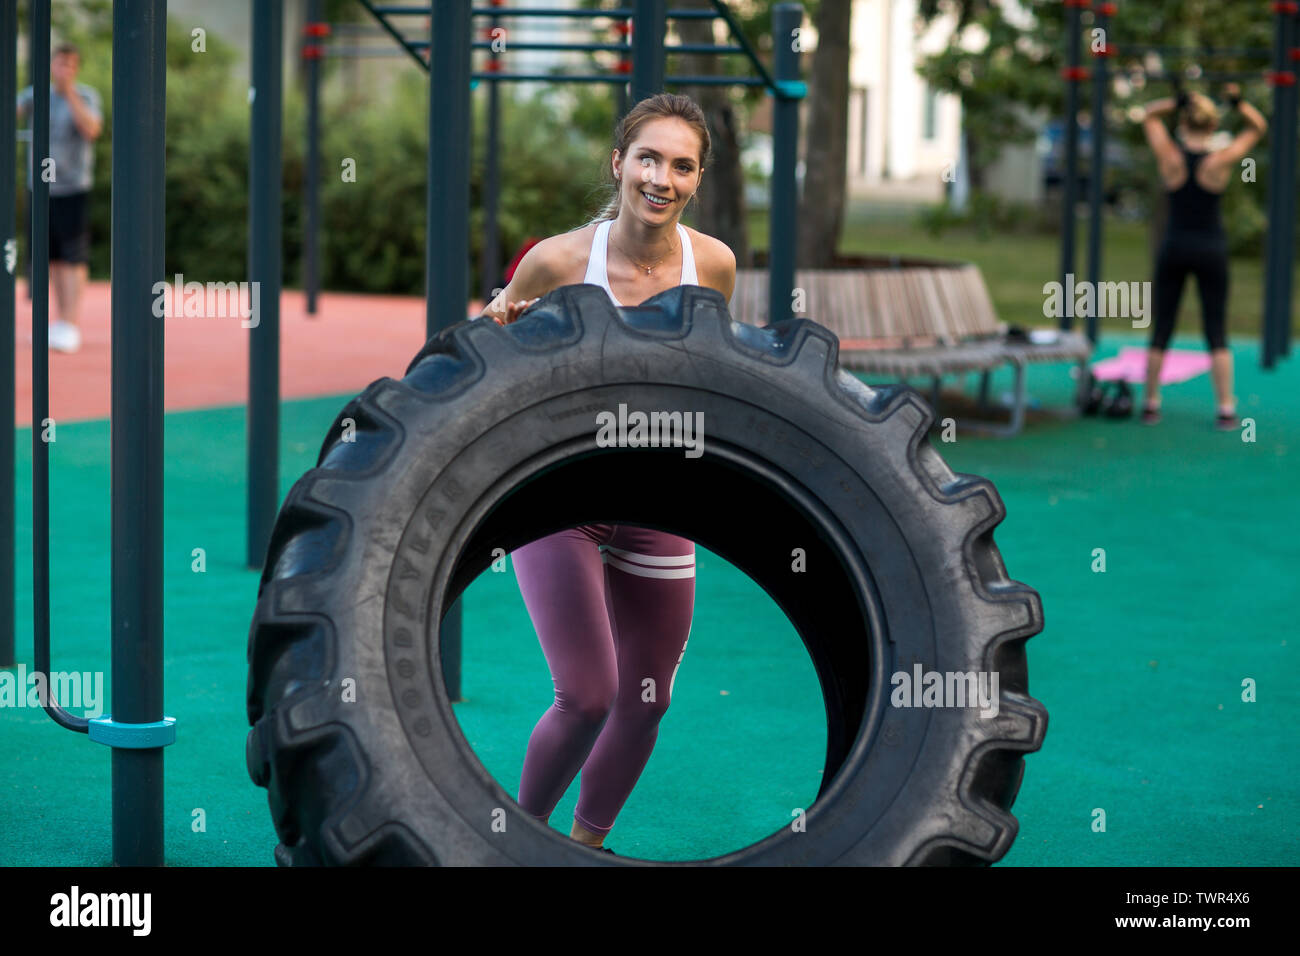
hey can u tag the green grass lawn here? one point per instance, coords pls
(1016, 267)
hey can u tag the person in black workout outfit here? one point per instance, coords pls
(1194, 240)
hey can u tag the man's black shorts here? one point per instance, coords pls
(69, 227)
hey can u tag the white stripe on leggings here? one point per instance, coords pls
(648, 572)
(653, 559)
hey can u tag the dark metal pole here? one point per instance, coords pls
(1073, 73)
(1282, 342)
(139, 104)
(311, 180)
(621, 103)
(264, 270)
(40, 222)
(490, 260)
(784, 207)
(39, 199)
(446, 256)
(1097, 174)
(31, 62)
(648, 48)
(8, 258)
(1277, 183)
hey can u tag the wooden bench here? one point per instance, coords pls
(905, 318)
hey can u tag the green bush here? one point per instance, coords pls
(372, 231)
(207, 161)
(987, 214)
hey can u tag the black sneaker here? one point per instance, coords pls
(608, 850)
(1226, 423)
(1096, 396)
(1121, 406)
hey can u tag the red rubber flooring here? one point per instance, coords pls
(351, 341)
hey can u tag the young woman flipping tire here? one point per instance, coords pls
(1195, 241)
(612, 604)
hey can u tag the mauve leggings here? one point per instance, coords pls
(612, 606)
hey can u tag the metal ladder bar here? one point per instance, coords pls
(382, 13)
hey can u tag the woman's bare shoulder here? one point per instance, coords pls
(546, 265)
(565, 254)
(714, 260)
(715, 250)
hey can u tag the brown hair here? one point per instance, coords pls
(651, 108)
(1200, 115)
(67, 48)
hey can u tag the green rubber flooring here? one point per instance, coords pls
(1140, 667)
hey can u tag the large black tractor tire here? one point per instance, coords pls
(826, 492)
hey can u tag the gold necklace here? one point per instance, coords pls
(649, 270)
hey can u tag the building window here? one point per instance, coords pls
(930, 124)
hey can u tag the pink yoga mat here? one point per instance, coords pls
(1130, 365)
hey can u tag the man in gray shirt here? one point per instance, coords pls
(75, 123)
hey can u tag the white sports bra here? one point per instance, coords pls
(597, 274)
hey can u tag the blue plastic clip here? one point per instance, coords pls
(112, 733)
(790, 89)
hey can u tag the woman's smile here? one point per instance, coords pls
(651, 198)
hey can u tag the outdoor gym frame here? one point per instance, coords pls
(136, 729)
(1275, 335)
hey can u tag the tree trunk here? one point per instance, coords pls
(973, 169)
(719, 206)
(821, 208)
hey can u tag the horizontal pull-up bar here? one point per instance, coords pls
(791, 90)
(787, 89)
(351, 52)
(552, 77)
(556, 47)
(1210, 76)
(1083, 74)
(589, 47)
(614, 13)
(1194, 52)
(716, 81)
(418, 48)
(405, 11)
(702, 48)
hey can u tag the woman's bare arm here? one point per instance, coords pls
(1245, 141)
(532, 279)
(715, 263)
(726, 270)
(1168, 157)
(1152, 117)
(1254, 117)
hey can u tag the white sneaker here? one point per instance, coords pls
(64, 336)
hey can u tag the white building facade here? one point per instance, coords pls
(902, 135)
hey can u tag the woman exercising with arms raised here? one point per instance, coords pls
(612, 603)
(1194, 239)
